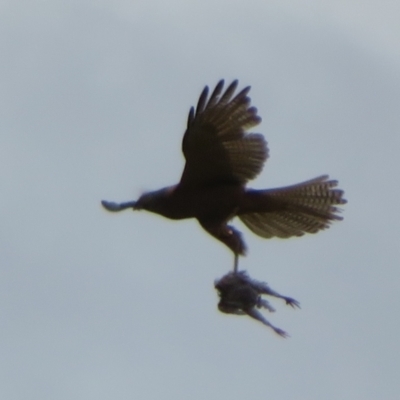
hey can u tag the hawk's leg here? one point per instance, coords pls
(228, 235)
(236, 263)
(114, 207)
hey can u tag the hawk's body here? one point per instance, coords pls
(221, 157)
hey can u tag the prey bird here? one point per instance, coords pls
(221, 157)
(241, 295)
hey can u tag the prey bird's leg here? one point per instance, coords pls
(289, 300)
(254, 313)
(263, 288)
(262, 303)
(114, 207)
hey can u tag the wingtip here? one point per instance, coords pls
(190, 116)
(202, 100)
(220, 83)
(110, 206)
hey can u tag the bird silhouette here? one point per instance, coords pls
(241, 295)
(221, 157)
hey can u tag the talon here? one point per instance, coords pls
(281, 332)
(292, 302)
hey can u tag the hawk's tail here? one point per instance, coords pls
(294, 210)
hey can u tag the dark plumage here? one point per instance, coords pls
(221, 157)
(241, 295)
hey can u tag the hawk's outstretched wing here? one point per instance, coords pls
(216, 146)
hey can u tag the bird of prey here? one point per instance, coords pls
(221, 157)
(241, 295)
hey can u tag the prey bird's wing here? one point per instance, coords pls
(216, 146)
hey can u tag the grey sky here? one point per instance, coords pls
(94, 100)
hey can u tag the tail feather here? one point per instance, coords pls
(307, 207)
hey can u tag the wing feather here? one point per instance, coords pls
(216, 146)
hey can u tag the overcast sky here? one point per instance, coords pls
(94, 98)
